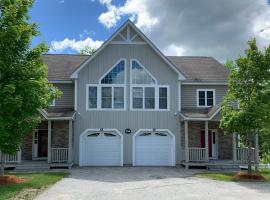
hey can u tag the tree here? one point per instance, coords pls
(24, 87)
(87, 50)
(249, 88)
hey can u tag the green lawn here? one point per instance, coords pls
(228, 176)
(34, 184)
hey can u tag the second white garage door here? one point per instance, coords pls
(101, 148)
(153, 148)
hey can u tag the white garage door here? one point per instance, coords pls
(153, 149)
(101, 149)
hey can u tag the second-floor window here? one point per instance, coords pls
(110, 92)
(205, 97)
(146, 94)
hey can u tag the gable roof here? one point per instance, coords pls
(74, 75)
(196, 68)
(60, 66)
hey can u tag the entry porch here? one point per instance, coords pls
(49, 145)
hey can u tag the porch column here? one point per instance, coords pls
(186, 142)
(206, 142)
(49, 140)
(257, 152)
(70, 141)
(234, 147)
(19, 156)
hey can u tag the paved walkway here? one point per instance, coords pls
(141, 183)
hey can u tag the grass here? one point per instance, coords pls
(33, 185)
(229, 176)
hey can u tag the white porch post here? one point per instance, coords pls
(70, 141)
(257, 151)
(234, 147)
(49, 140)
(206, 142)
(186, 142)
(19, 156)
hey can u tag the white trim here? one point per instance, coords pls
(114, 65)
(128, 42)
(98, 130)
(205, 91)
(156, 88)
(179, 96)
(99, 98)
(200, 119)
(204, 83)
(45, 115)
(151, 130)
(75, 95)
(52, 104)
(59, 81)
(149, 73)
(74, 75)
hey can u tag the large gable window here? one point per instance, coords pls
(146, 94)
(205, 97)
(109, 94)
(140, 75)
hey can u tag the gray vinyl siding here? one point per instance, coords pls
(122, 120)
(189, 94)
(66, 100)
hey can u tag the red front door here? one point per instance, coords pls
(42, 143)
(209, 141)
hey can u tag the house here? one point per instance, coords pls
(128, 104)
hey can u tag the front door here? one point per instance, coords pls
(212, 147)
(42, 143)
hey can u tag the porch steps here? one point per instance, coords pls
(222, 166)
(32, 166)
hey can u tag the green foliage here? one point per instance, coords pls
(38, 181)
(87, 50)
(249, 86)
(24, 87)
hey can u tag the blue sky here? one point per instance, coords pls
(178, 27)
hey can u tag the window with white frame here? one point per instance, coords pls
(205, 97)
(110, 93)
(52, 103)
(146, 94)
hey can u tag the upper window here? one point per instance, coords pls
(140, 74)
(115, 75)
(110, 93)
(205, 97)
(52, 103)
(146, 94)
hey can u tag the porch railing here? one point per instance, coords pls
(10, 158)
(59, 155)
(242, 154)
(196, 154)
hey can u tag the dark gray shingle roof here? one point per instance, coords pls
(197, 68)
(61, 66)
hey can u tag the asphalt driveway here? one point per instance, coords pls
(144, 183)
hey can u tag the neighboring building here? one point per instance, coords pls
(128, 104)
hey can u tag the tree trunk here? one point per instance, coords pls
(249, 154)
(2, 171)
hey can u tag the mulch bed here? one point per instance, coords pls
(246, 176)
(9, 179)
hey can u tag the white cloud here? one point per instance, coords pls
(133, 8)
(173, 50)
(76, 45)
(190, 27)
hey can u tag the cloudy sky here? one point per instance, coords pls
(217, 28)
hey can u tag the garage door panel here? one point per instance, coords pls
(155, 149)
(101, 149)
